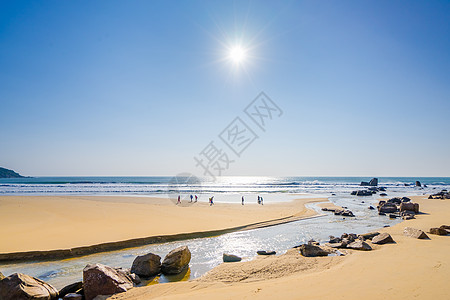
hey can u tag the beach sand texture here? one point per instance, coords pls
(44, 223)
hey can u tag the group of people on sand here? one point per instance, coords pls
(260, 200)
(192, 199)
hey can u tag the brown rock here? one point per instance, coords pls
(99, 279)
(359, 245)
(438, 231)
(415, 233)
(1, 276)
(309, 250)
(408, 206)
(70, 289)
(176, 261)
(21, 286)
(383, 238)
(146, 265)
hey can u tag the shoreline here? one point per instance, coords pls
(55, 254)
(409, 268)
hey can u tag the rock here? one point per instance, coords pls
(438, 231)
(262, 252)
(415, 233)
(127, 273)
(73, 296)
(336, 245)
(418, 183)
(383, 194)
(383, 238)
(99, 279)
(309, 250)
(373, 182)
(447, 227)
(369, 236)
(362, 193)
(334, 239)
(408, 206)
(1, 276)
(408, 217)
(71, 288)
(406, 199)
(345, 213)
(146, 265)
(371, 207)
(21, 286)
(359, 245)
(395, 200)
(393, 216)
(230, 258)
(387, 208)
(176, 261)
(364, 183)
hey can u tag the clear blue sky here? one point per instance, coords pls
(141, 87)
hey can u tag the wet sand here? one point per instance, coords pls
(408, 269)
(49, 223)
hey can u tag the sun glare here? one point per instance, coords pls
(237, 54)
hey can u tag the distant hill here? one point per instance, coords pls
(5, 173)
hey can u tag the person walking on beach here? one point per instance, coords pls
(179, 200)
(191, 198)
(261, 199)
(242, 200)
(196, 198)
(211, 201)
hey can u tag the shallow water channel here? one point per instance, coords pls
(207, 252)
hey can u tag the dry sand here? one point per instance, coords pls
(43, 223)
(409, 269)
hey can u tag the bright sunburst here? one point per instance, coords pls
(237, 55)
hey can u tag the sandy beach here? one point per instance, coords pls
(45, 223)
(408, 269)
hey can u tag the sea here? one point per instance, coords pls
(227, 189)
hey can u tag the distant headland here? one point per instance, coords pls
(5, 173)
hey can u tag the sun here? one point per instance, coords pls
(237, 55)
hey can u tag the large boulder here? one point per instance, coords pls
(408, 206)
(373, 182)
(395, 200)
(387, 208)
(176, 261)
(415, 233)
(99, 279)
(383, 238)
(310, 250)
(438, 231)
(418, 183)
(146, 265)
(230, 258)
(19, 286)
(359, 245)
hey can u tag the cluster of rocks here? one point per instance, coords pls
(339, 212)
(369, 192)
(98, 279)
(444, 194)
(398, 207)
(359, 242)
(372, 182)
(420, 234)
